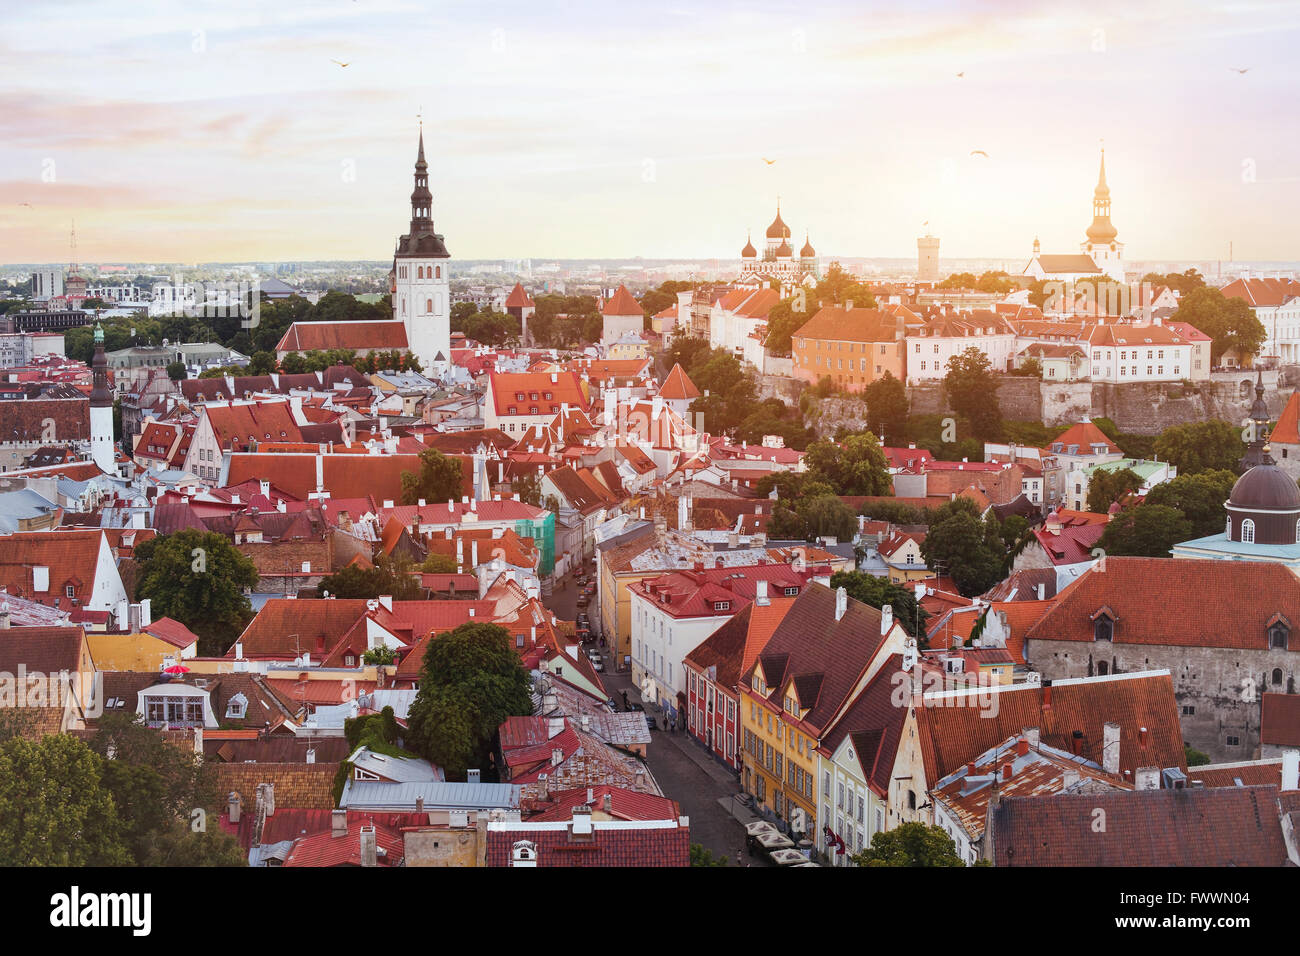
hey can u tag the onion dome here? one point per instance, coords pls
(778, 229)
(783, 251)
(807, 252)
(749, 252)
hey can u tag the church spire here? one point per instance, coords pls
(1101, 231)
(421, 198)
(1257, 453)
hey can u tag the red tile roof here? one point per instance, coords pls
(325, 849)
(518, 298)
(1214, 827)
(1148, 596)
(1265, 292)
(605, 847)
(506, 387)
(1287, 430)
(70, 556)
(622, 303)
(625, 804)
(834, 323)
(314, 336)
(1279, 722)
(678, 385)
(956, 726)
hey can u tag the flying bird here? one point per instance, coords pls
(339, 62)
(961, 74)
(27, 204)
(1237, 69)
(979, 152)
(768, 161)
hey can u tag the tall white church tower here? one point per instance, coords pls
(101, 410)
(421, 286)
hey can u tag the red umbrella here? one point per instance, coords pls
(176, 669)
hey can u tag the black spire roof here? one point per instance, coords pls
(421, 242)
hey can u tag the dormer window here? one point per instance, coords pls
(237, 707)
(722, 606)
(1278, 635)
(349, 660)
(792, 706)
(1103, 627)
(758, 686)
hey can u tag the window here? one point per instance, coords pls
(1277, 675)
(826, 786)
(1189, 710)
(349, 660)
(792, 591)
(1233, 742)
(1248, 531)
(237, 707)
(1103, 628)
(1277, 637)
(839, 796)
(70, 591)
(791, 707)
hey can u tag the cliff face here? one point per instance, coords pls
(1141, 409)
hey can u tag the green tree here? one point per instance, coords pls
(528, 487)
(198, 578)
(838, 287)
(471, 681)
(1107, 486)
(179, 846)
(852, 466)
(972, 390)
(1147, 530)
(155, 785)
(439, 564)
(1214, 445)
(176, 371)
(1194, 757)
(1029, 368)
(910, 844)
(827, 516)
(441, 478)
(962, 546)
(261, 363)
(387, 577)
(877, 592)
(54, 808)
(293, 364)
(702, 856)
(1230, 323)
(887, 407)
(1199, 497)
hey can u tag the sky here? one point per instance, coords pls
(184, 131)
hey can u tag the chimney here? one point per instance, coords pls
(886, 619)
(311, 755)
(419, 804)
(1030, 734)
(1047, 696)
(1006, 772)
(266, 799)
(970, 769)
(639, 785)
(1022, 747)
(543, 787)
(1042, 591)
(339, 823)
(608, 804)
(369, 847)
(841, 602)
(1069, 779)
(760, 598)
(234, 803)
(1148, 778)
(1110, 748)
(554, 727)
(557, 756)
(473, 775)
(1290, 770)
(586, 722)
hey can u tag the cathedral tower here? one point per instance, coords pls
(421, 284)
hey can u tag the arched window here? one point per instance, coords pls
(1103, 628)
(1248, 531)
(438, 271)
(1277, 675)
(428, 305)
(1228, 529)
(1277, 638)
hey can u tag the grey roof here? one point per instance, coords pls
(437, 795)
(400, 769)
(17, 506)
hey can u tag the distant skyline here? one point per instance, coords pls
(225, 131)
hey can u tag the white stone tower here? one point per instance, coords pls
(422, 289)
(101, 410)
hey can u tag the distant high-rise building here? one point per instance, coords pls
(47, 284)
(927, 258)
(421, 284)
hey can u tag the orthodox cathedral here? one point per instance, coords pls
(778, 260)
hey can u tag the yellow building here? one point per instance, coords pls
(902, 553)
(821, 656)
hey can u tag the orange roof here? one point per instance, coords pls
(1020, 616)
(622, 303)
(240, 425)
(314, 336)
(835, 323)
(1288, 423)
(518, 298)
(1085, 435)
(678, 385)
(563, 387)
(1262, 292)
(378, 477)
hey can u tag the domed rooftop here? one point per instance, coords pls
(778, 229)
(807, 252)
(1265, 487)
(749, 252)
(783, 251)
